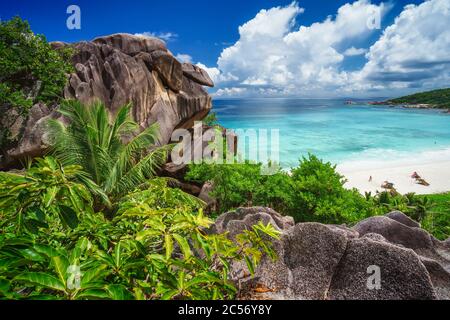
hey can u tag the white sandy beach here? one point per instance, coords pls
(432, 166)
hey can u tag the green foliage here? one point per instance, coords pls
(319, 194)
(156, 247)
(234, 184)
(30, 70)
(28, 198)
(439, 98)
(432, 211)
(437, 221)
(211, 119)
(185, 261)
(43, 272)
(97, 144)
(313, 192)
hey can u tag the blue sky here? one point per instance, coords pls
(207, 32)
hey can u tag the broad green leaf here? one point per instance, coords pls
(37, 213)
(117, 254)
(181, 280)
(147, 233)
(41, 279)
(93, 294)
(118, 292)
(250, 265)
(4, 285)
(156, 257)
(33, 225)
(76, 200)
(93, 275)
(60, 263)
(47, 250)
(32, 255)
(138, 293)
(50, 195)
(168, 294)
(168, 245)
(11, 263)
(184, 245)
(69, 216)
(81, 246)
(103, 256)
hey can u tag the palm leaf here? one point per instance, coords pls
(95, 143)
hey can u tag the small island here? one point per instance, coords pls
(435, 99)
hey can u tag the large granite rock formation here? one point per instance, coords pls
(118, 69)
(317, 261)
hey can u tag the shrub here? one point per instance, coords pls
(29, 199)
(30, 70)
(156, 247)
(314, 191)
(234, 184)
(211, 119)
(318, 194)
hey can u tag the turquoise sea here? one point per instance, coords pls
(338, 132)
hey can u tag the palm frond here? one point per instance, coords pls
(143, 170)
(95, 142)
(130, 154)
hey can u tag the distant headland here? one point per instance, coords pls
(436, 99)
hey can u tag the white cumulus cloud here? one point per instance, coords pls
(277, 55)
(352, 51)
(273, 54)
(415, 50)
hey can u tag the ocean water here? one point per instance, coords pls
(341, 133)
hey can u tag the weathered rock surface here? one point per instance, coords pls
(403, 219)
(197, 74)
(130, 44)
(204, 195)
(317, 261)
(402, 274)
(398, 233)
(120, 69)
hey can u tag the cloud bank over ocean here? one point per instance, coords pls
(278, 56)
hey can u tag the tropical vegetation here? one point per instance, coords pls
(113, 153)
(30, 70)
(437, 98)
(92, 219)
(314, 191)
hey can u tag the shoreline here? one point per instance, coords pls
(422, 106)
(433, 166)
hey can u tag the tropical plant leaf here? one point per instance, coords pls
(50, 195)
(118, 292)
(61, 264)
(41, 279)
(184, 245)
(168, 245)
(69, 216)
